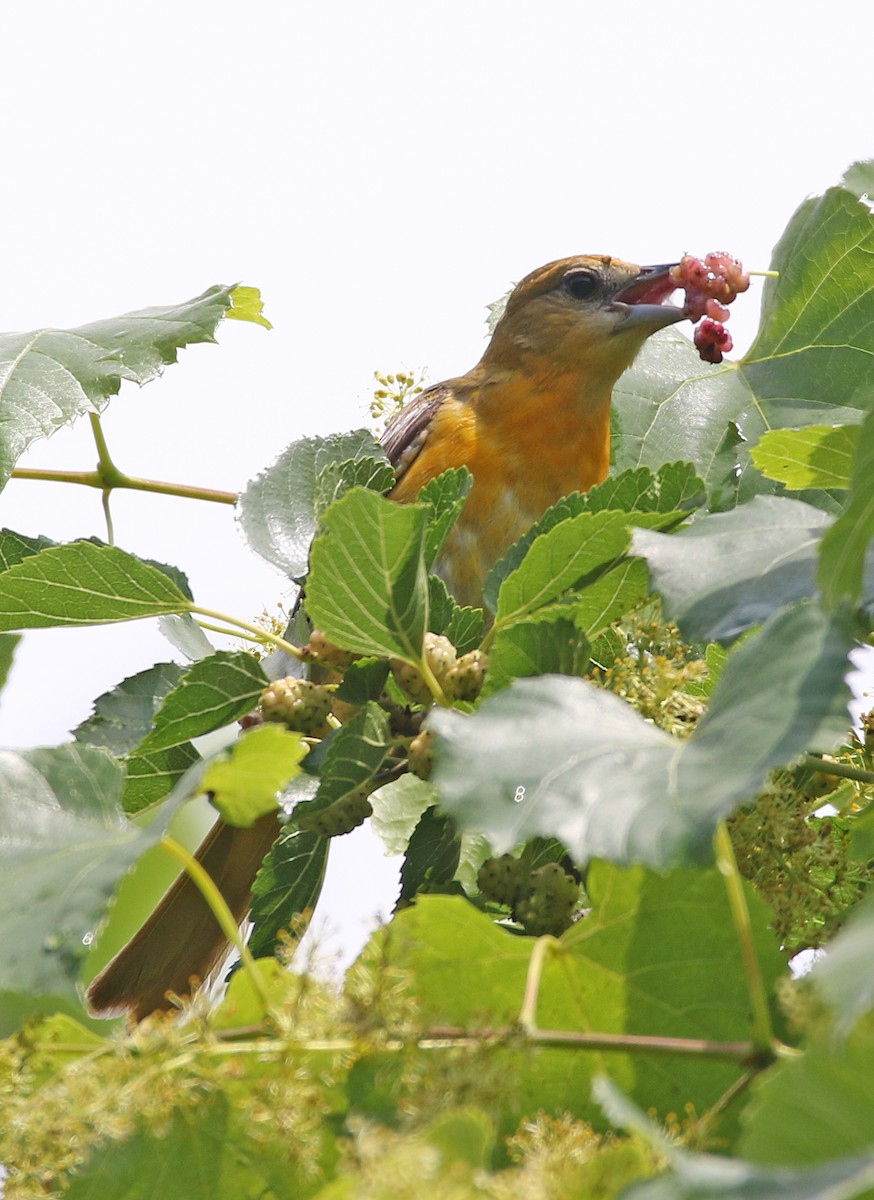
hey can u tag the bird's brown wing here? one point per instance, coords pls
(408, 431)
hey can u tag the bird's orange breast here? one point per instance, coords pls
(526, 446)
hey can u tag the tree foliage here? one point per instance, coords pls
(626, 793)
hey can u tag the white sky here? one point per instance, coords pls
(381, 171)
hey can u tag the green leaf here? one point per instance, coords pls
(611, 596)
(432, 856)
(52, 376)
(211, 694)
(84, 584)
(673, 488)
(152, 777)
(279, 511)
(549, 645)
(195, 1156)
(842, 556)
(462, 625)
(259, 765)
(730, 571)
(8, 642)
(444, 497)
(397, 808)
(810, 364)
(569, 555)
(123, 716)
(287, 886)
(656, 955)
(368, 590)
(363, 680)
(246, 305)
(591, 772)
(64, 846)
(16, 546)
(813, 1108)
(711, 1177)
(819, 456)
(354, 754)
(845, 976)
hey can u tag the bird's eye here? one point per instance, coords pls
(581, 285)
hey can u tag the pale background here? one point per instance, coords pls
(381, 171)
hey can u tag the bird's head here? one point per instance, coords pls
(590, 312)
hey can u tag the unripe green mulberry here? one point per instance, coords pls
(327, 652)
(420, 756)
(301, 705)
(440, 656)
(343, 816)
(550, 902)
(501, 879)
(464, 679)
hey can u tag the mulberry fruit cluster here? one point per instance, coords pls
(710, 284)
(542, 901)
(460, 678)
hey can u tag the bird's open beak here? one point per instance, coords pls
(642, 300)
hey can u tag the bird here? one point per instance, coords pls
(531, 422)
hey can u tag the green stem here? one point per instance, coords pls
(433, 682)
(765, 274)
(826, 767)
(261, 635)
(528, 1012)
(763, 1034)
(219, 908)
(96, 479)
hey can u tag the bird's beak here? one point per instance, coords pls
(642, 300)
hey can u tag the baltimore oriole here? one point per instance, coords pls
(532, 422)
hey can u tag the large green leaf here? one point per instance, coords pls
(562, 758)
(278, 512)
(813, 1108)
(657, 955)
(84, 584)
(49, 377)
(367, 588)
(64, 846)
(571, 554)
(729, 571)
(444, 496)
(810, 364)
